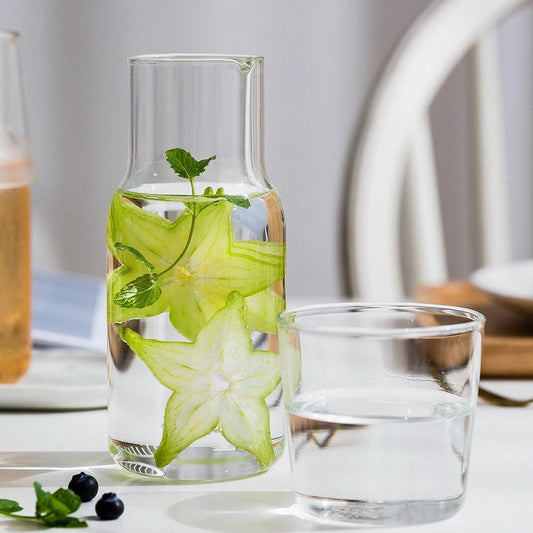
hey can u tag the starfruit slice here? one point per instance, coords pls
(217, 380)
(214, 265)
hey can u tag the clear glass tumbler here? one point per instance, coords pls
(380, 402)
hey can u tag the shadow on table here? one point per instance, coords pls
(15, 467)
(236, 512)
(52, 460)
(20, 469)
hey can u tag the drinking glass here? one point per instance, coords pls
(380, 402)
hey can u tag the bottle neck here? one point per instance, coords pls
(16, 167)
(207, 105)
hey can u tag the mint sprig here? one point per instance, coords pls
(240, 201)
(184, 164)
(138, 256)
(144, 290)
(8, 507)
(141, 292)
(51, 509)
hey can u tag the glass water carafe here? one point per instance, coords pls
(196, 268)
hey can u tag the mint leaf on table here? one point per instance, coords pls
(55, 506)
(51, 510)
(9, 506)
(67, 498)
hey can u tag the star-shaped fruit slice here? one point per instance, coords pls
(216, 381)
(214, 264)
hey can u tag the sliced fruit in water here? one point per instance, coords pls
(218, 380)
(214, 265)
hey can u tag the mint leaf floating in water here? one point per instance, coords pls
(218, 380)
(141, 292)
(144, 290)
(240, 201)
(136, 254)
(51, 509)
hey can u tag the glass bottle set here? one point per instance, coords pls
(195, 283)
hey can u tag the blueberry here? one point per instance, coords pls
(84, 485)
(109, 507)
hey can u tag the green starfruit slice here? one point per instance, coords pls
(262, 309)
(214, 265)
(217, 380)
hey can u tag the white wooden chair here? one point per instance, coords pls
(395, 152)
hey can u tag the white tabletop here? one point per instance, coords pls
(49, 447)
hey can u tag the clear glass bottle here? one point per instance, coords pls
(16, 176)
(196, 269)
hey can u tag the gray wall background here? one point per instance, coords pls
(321, 59)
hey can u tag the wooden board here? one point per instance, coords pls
(508, 343)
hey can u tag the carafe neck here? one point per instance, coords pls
(207, 105)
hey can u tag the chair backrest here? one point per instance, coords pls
(394, 158)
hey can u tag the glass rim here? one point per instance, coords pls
(243, 60)
(473, 320)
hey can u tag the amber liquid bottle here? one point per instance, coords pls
(15, 275)
(16, 175)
